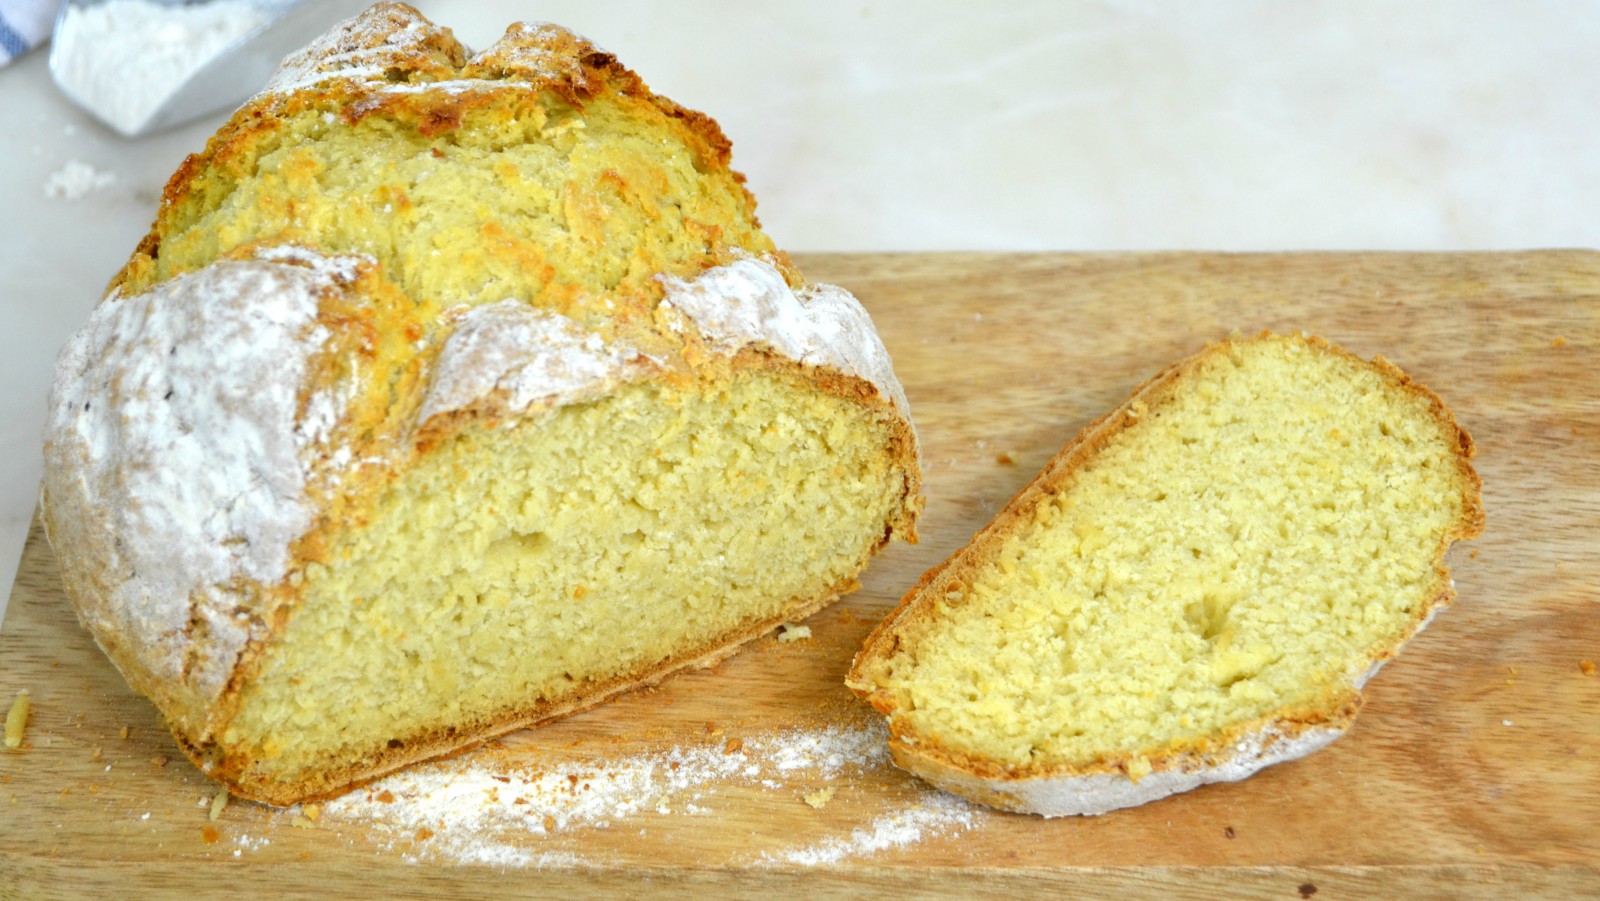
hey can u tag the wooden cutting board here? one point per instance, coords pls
(1472, 772)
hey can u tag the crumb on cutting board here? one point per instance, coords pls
(17, 719)
(793, 632)
(1586, 667)
(819, 799)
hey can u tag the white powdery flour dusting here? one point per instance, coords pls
(76, 180)
(199, 470)
(122, 58)
(536, 357)
(937, 814)
(748, 303)
(473, 810)
(362, 49)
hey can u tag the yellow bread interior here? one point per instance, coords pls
(516, 568)
(1266, 528)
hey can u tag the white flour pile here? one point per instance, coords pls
(122, 58)
(471, 810)
(76, 180)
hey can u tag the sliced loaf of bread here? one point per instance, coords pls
(1197, 586)
(450, 393)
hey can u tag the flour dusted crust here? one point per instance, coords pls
(1112, 783)
(1093, 793)
(208, 432)
(179, 497)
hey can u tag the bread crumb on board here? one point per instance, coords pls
(17, 719)
(793, 632)
(819, 799)
(1586, 667)
(218, 804)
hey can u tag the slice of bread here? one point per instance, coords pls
(1195, 587)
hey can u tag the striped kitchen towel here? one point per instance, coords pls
(24, 25)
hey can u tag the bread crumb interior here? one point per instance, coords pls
(514, 566)
(1243, 549)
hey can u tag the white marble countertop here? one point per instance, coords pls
(1120, 124)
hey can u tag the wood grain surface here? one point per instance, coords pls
(1472, 771)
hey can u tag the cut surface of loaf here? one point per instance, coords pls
(1195, 587)
(450, 393)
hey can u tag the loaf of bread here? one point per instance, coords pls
(450, 393)
(1195, 587)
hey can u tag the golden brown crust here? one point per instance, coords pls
(959, 771)
(532, 59)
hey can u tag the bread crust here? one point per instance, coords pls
(332, 389)
(1109, 783)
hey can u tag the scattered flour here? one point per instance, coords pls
(122, 58)
(937, 814)
(482, 808)
(75, 180)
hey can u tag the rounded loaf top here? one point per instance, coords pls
(540, 170)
